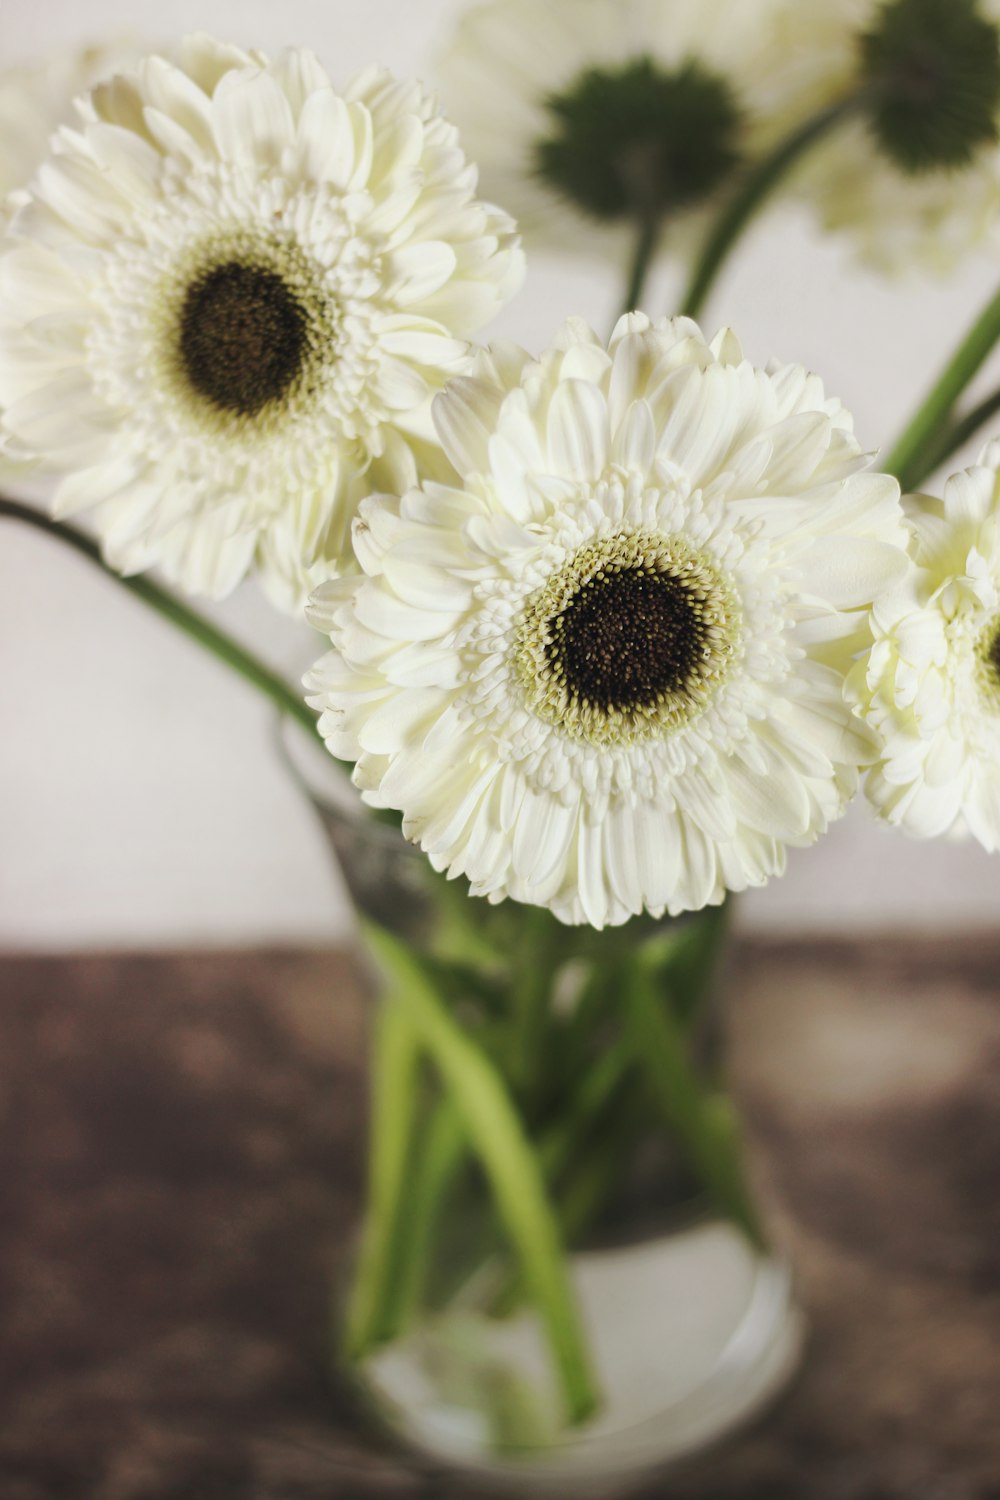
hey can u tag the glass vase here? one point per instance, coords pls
(563, 1280)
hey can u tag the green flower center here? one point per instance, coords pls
(629, 639)
(243, 337)
(934, 67)
(988, 662)
(639, 141)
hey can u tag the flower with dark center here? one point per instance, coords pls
(638, 141)
(607, 676)
(933, 67)
(227, 302)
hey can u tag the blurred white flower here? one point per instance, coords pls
(233, 295)
(918, 184)
(586, 114)
(930, 685)
(606, 674)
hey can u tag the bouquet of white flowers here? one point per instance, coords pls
(612, 624)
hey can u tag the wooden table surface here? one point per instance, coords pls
(179, 1162)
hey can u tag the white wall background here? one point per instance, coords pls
(141, 798)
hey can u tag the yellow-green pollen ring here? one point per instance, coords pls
(629, 640)
(988, 662)
(245, 328)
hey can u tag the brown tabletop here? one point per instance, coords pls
(179, 1162)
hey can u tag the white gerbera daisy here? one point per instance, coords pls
(915, 178)
(586, 115)
(234, 293)
(606, 674)
(930, 685)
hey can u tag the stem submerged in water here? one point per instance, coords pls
(497, 1138)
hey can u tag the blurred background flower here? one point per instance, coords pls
(587, 116)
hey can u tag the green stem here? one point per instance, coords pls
(496, 1135)
(703, 1121)
(585, 1106)
(589, 1162)
(954, 436)
(440, 1152)
(222, 646)
(599, 1173)
(916, 446)
(758, 183)
(642, 259)
(395, 1060)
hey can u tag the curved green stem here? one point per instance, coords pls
(200, 629)
(440, 1153)
(758, 183)
(952, 437)
(642, 259)
(395, 1061)
(915, 448)
(497, 1137)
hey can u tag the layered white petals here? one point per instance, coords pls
(361, 204)
(929, 686)
(657, 447)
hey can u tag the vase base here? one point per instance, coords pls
(691, 1336)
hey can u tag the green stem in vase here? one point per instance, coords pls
(703, 1120)
(395, 1061)
(954, 436)
(757, 185)
(915, 450)
(440, 1151)
(169, 607)
(497, 1138)
(584, 1109)
(582, 1155)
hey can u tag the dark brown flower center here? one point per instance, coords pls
(628, 637)
(243, 337)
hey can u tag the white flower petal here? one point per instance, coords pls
(577, 430)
